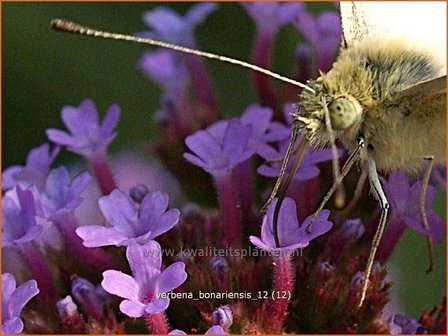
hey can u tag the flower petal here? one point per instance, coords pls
(98, 235)
(20, 297)
(172, 277)
(120, 284)
(157, 306)
(132, 308)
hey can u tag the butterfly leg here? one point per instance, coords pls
(379, 194)
(421, 207)
(345, 169)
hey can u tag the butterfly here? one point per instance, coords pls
(384, 99)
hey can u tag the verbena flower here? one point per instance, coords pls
(291, 234)
(62, 194)
(169, 26)
(272, 15)
(141, 291)
(19, 223)
(34, 172)
(219, 156)
(13, 301)
(130, 222)
(87, 136)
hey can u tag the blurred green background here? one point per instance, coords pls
(43, 70)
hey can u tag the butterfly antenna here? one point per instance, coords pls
(74, 28)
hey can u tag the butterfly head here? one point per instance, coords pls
(343, 110)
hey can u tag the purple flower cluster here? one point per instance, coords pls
(110, 260)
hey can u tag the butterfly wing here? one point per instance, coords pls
(423, 24)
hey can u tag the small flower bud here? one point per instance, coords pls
(138, 192)
(223, 316)
(66, 307)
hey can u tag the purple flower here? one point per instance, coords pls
(223, 317)
(308, 167)
(169, 26)
(263, 129)
(323, 32)
(34, 172)
(402, 325)
(404, 199)
(62, 195)
(19, 217)
(13, 301)
(142, 291)
(130, 222)
(87, 136)
(220, 155)
(272, 15)
(291, 234)
(164, 68)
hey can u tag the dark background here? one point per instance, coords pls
(43, 70)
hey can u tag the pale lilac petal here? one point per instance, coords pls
(13, 326)
(167, 221)
(153, 206)
(120, 284)
(132, 308)
(172, 277)
(120, 211)
(98, 235)
(203, 144)
(20, 297)
(199, 12)
(110, 121)
(8, 285)
(176, 332)
(157, 306)
(76, 118)
(145, 262)
(60, 137)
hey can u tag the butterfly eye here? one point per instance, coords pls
(342, 113)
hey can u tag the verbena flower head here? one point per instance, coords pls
(86, 137)
(130, 222)
(291, 234)
(404, 199)
(13, 301)
(218, 156)
(272, 15)
(169, 26)
(19, 223)
(141, 291)
(34, 172)
(62, 193)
